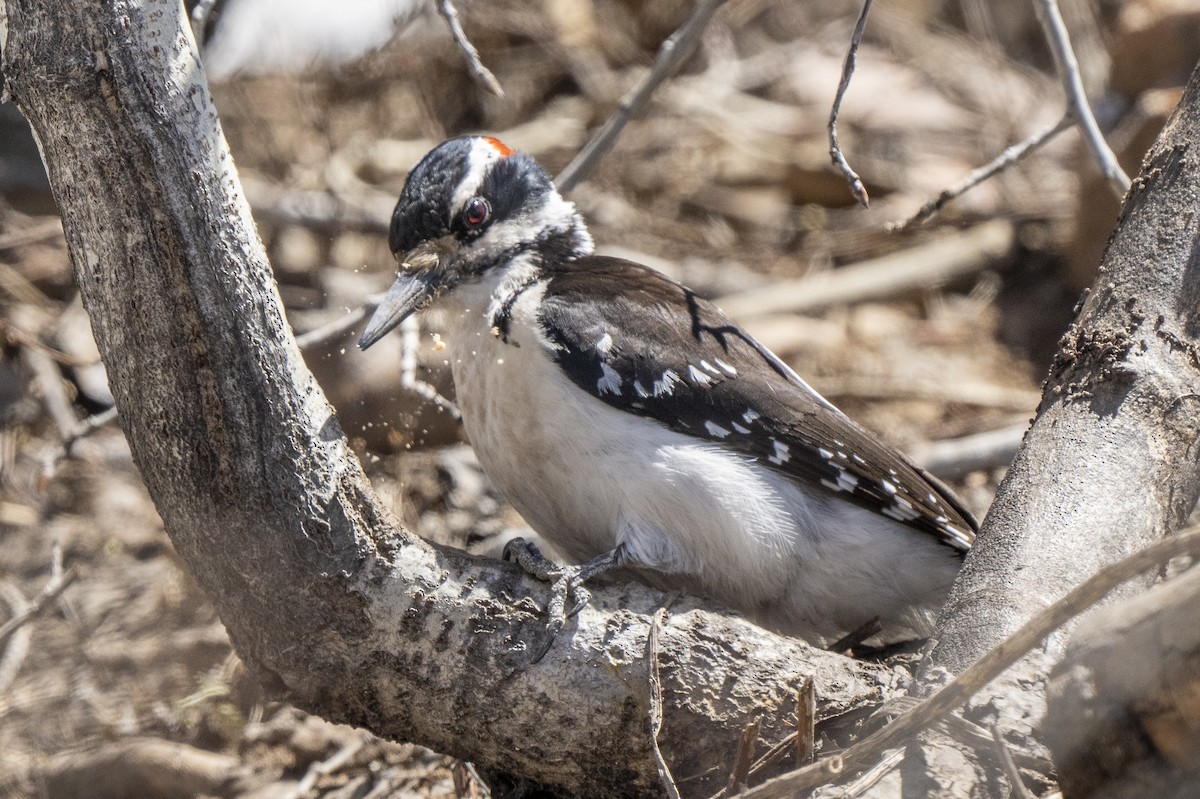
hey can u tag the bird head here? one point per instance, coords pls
(468, 210)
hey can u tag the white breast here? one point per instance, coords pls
(587, 477)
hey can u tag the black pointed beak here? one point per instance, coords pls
(410, 293)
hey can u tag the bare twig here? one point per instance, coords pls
(1019, 789)
(322, 768)
(671, 55)
(1067, 66)
(835, 148)
(1010, 156)
(931, 709)
(18, 643)
(482, 75)
(869, 778)
(88, 426)
(54, 396)
(856, 636)
(806, 722)
(410, 342)
(340, 326)
(971, 734)
(656, 710)
(467, 782)
(50, 592)
(740, 773)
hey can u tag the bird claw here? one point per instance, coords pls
(566, 585)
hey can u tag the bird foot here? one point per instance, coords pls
(567, 594)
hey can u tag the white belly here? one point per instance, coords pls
(588, 477)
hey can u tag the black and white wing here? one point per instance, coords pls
(646, 345)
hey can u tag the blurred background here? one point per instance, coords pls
(936, 336)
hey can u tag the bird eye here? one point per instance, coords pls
(477, 212)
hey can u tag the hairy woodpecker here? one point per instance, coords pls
(633, 424)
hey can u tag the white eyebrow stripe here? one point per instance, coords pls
(482, 156)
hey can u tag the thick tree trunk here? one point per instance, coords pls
(321, 592)
(1111, 462)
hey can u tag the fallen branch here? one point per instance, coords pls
(922, 267)
(952, 458)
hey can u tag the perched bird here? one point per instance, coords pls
(631, 423)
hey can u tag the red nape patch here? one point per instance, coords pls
(499, 146)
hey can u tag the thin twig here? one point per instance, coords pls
(868, 779)
(54, 396)
(482, 75)
(88, 426)
(856, 636)
(410, 343)
(656, 709)
(1014, 775)
(806, 722)
(742, 758)
(50, 592)
(410, 331)
(671, 55)
(17, 647)
(971, 734)
(1010, 156)
(338, 327)
(835, 148)
(1067, 66)
(931, 709)
(323, 768)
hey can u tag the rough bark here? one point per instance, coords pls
(1111, 461)
(1124, 703)
(322, 593)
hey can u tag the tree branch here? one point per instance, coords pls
(1077, 103)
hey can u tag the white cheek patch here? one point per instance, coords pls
(554, 214)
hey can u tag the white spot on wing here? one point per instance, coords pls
(781, 454)
(639, 389)
(709, 367)
(610, 381)
(698, 377)
(716, 430)
(665, 384)
(888, 487)
(728, 369)
(740, 429)
(604, 345)
(750, 415)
